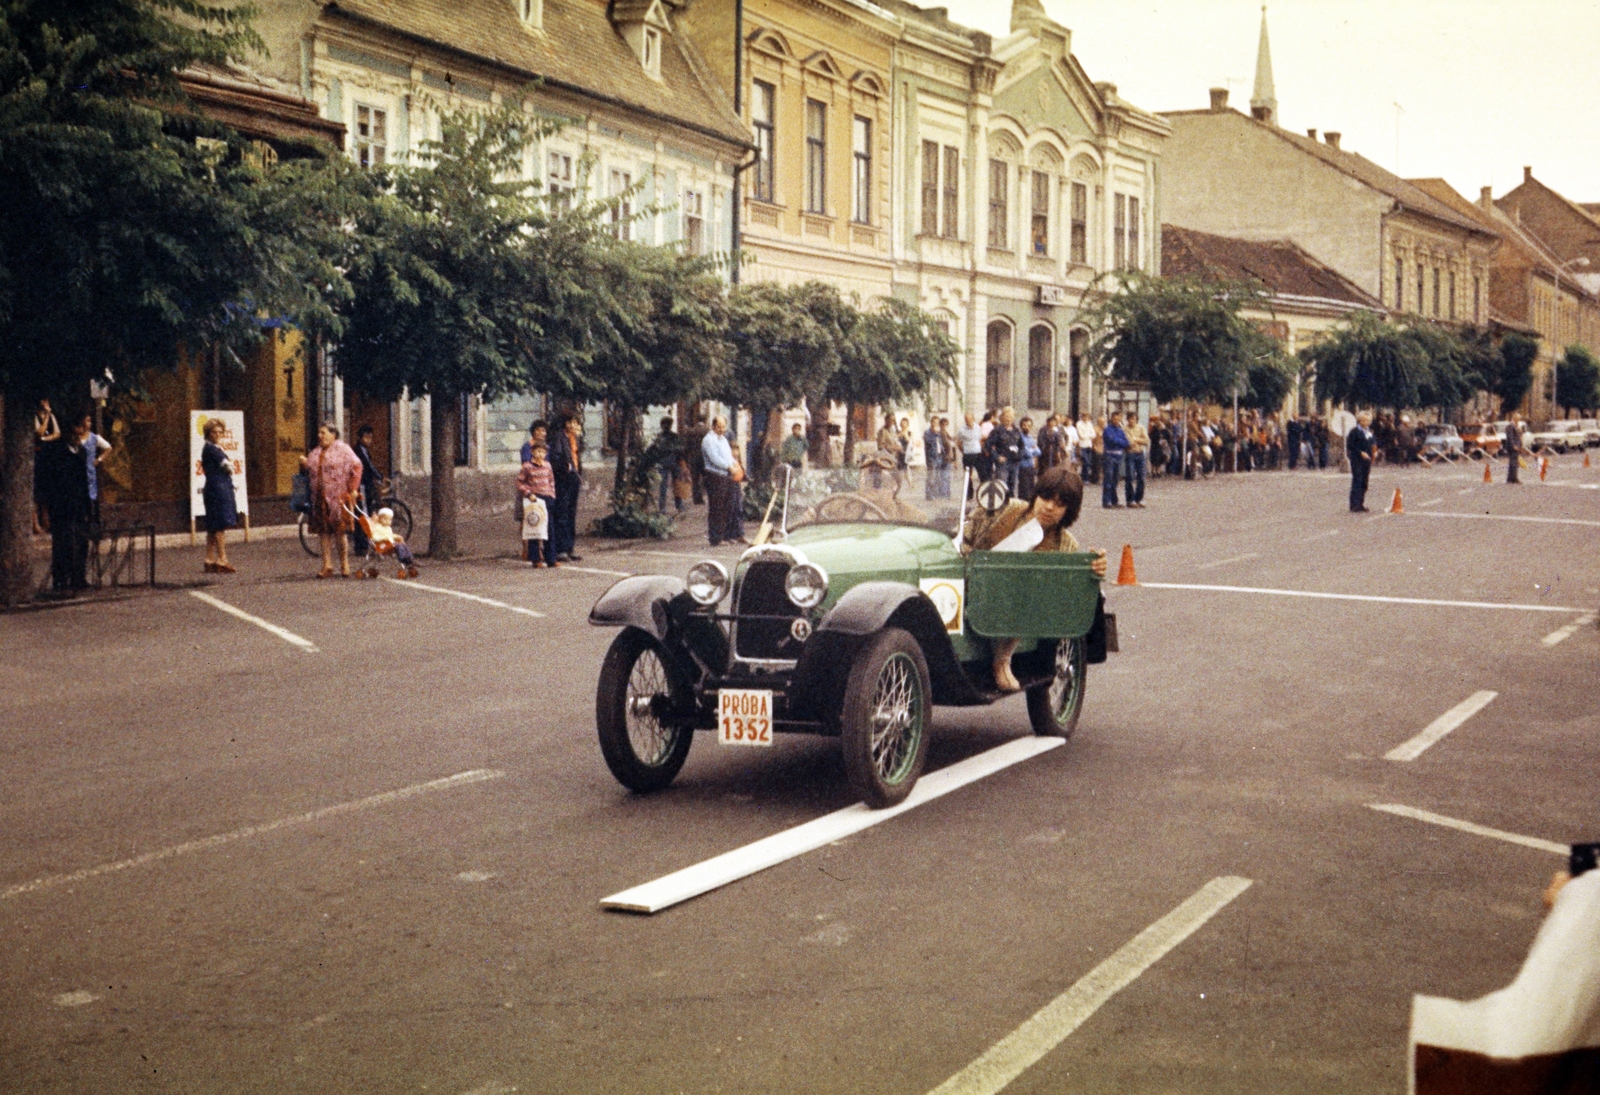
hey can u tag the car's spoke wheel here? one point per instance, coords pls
(884, 719)
(1053, 708)
(643, 746)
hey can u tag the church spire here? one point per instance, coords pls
(1264, 99)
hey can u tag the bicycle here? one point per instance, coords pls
(401, 524)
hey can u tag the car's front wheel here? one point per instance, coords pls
(884, 719)
(643, 746)
(1054, 707)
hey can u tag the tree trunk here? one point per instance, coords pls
(444, 429)
(849, 434)
(622, 427)
(16, 502)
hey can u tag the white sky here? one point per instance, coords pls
(1486, 85)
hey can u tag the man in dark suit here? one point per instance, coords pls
(65, 482)
(1358, 447)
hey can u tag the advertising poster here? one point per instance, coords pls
(232, 442)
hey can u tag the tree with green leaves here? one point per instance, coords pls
(1578, 380)
(785, 342)
(125, 239)
(1185, 337)
(1510, 371)
(891, 355)
(1368, 361)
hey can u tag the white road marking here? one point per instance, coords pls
(287, 636)
(703, 877)
(1320, 536)
(1514, 517)
(74, 999)
(1562, 634)
(1431, 502)
(1224, 562)
(1357, 597)
(1468, 827)
(1441, 726)
(708, 553)
(1469, 490)
(476, 775)
(597, 570)
(465, 597)
(1050, 1025)
(475, 876)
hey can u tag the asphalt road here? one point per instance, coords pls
(208, 884)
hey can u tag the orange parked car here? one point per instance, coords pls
(1487, 436)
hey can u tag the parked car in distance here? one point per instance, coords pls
(1559, 436)
(1485, 436)
(1591, 431)
(1442, 440)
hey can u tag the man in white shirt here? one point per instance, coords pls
(723, 519)
(970, 438)
(1086, 436)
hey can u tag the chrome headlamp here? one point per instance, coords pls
(707, 582)
(806, 585)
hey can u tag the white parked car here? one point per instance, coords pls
(1563, 436)
(1442, 440)
(1591, 430)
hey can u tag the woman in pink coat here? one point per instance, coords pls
(335, 472)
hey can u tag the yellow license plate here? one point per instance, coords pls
(744, 716)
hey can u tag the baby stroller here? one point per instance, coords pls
(382, 543)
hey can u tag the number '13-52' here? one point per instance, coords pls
(737, 729)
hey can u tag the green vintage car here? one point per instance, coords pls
(854, 623)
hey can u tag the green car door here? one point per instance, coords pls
(1031, 595)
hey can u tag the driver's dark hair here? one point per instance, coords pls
(1061, 485)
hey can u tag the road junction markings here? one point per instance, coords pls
(465, 596)
(1562, 634)
(1050, 1025)
(1512, 517)
(283, 633)
(1359, 597)
(204, 844)
(1470, 827)
(1441, 726)
(711, 874)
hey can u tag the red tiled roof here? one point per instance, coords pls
(578, 49)
(1278, 265)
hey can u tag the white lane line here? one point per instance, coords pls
(1562, 634)
(1468, 827)
(708, 553)
(476, 775)
(1441, 726)
(1224, 562)
(287, 636)
(703, 877)
(1320, 536)
(1431, 502)
(1469, 490)
(597, 570)
(465, 597)
(1356, 597)
(1050, 1025)
(1514, 517)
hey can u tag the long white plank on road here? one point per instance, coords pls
(476, 775)
(1513, 517)
(1050, 1025)
(703, 877)
(1441, 726)
(283, 633)
(1469, 827)
(1357, 597)
(466, 597)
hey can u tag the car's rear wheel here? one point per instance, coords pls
(1053, 708)
(884, 719)
(643, 746)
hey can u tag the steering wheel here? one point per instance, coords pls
(849, 507)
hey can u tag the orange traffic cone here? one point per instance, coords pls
(1397, 506)
(1544, 467)
(1488, 471)
(1586, 458)
(1125, 574)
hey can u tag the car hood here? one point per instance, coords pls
(862, 551)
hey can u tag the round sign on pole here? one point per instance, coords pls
(992, 495)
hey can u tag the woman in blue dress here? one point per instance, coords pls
(222, 509)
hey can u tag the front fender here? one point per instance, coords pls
(863, 611)
(639, 602)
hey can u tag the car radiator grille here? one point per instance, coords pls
(761, 594)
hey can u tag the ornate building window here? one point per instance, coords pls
(816, 157)
(762, 96)
(999, 183)
(1477, 300)
(861, 174)
(952, 192)
(930, 188)
(1041, 366)
(1422, 288)
(372, 135)
(1399, 284)
(1452, 294)
(1119, 234)
(1435, 292)
(1080, 223)
(622, 210)
(1135, 258)
(694, 222)
(1040, 223)
(997, 371)
(559, 177)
